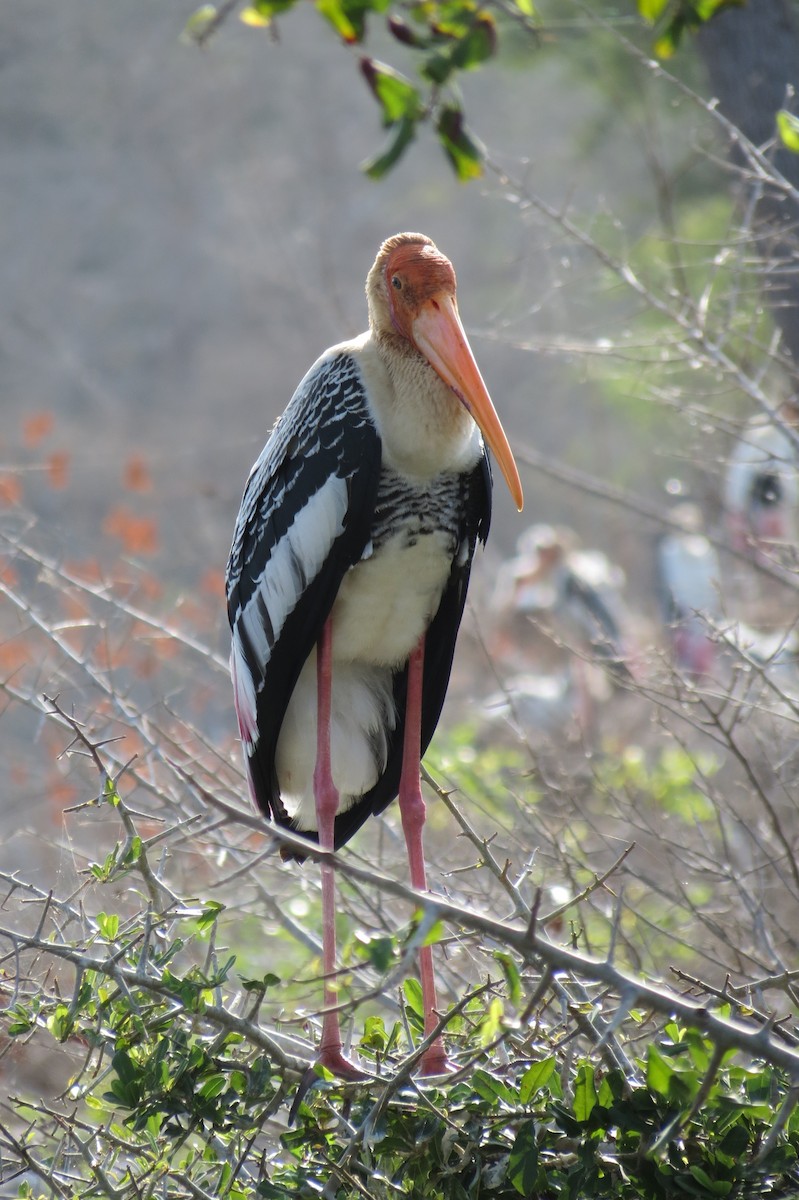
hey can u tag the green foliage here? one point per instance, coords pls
(673, 18)
(672, 782)
(443, 38)
(348, 17)
(500, 1131)
(402, 109)
(464, 153)
(181, 1080)
(484, 774)
(261, 13)
(788, 129)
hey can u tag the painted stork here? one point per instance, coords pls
(688, 579)
(348, 574)
(761, 485)
(573, 596)
(552, 577)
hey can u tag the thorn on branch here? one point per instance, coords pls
(530, 931)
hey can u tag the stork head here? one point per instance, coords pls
(411, 294)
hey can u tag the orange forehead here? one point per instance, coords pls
(423, 267)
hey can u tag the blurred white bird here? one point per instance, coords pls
(688, 579)
(560, 628)
(761, 485)
(574, 594)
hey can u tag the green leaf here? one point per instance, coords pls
(124, 1066)
(108, 924)
(435, 934)
(675, 1032)
(652, 10)
(213, 1086)
(470, 42)
(465, 155)
(211, 911)
(17, 1027)
(21, 1021)
(412, 990)
(665, 46)
(60, 1023)
(659, 1072)
(260, 985)
(259, 13)
(492, 1089)
(396, 95)
(491, 1025)
(125, 1089)
(717, 1187)
(584, 1092)
(705, 9)
(381, 164)
(438, 67)
(735, 1141)
(536, 1077)
(374, 1034)
(379, 951)
(788, 129)
(523, 1160)
(250, 16)
(110, 793)
(272, 1191)
(512, 977)
(348, 17)
(134, 851)
(606, 1094)
(477, 45)
(199, 21)
(336, 14)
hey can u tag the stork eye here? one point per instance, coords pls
(396, 282)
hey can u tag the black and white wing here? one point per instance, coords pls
(305, 519)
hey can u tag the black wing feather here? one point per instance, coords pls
(325, 432)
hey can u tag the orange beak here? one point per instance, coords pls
(437, 333)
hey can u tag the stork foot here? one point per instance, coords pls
(335, 1062)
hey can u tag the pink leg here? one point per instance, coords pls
(326, 796)
(412, 810)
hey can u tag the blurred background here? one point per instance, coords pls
(186, 229)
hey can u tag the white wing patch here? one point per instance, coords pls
(243, 695)
(294, 562)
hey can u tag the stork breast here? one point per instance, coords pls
(386, 601)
